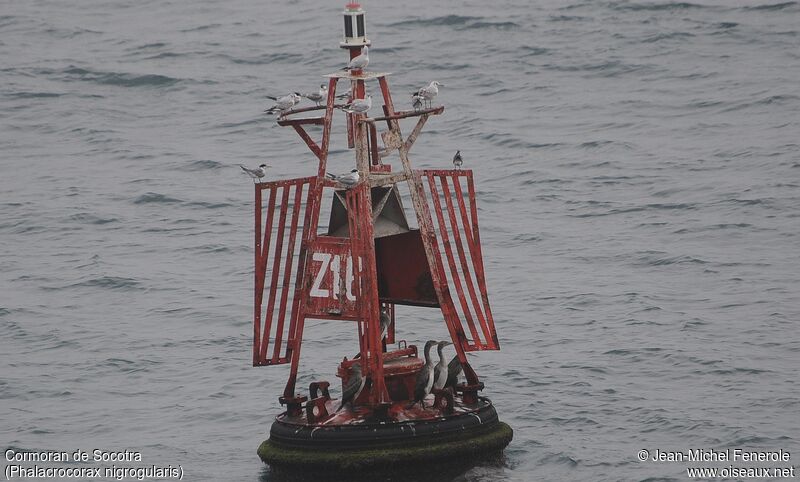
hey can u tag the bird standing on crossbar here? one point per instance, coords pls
(282, 104)
(256, 174)
(358, 106)
(348, 179)
(318, 97)
(457, 161)
(428, 92)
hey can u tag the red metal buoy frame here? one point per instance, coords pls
(300, 274)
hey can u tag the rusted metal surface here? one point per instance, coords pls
(317, 121)
(408, 113)
(357, 74)
(359, 207)
(285, 197)
(371, 260)
(404, 279)
(465, 265)
(331, 279)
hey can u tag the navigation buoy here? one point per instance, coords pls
(369, 262)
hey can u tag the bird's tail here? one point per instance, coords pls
(329, 175)
(273, 98)
(243, 168)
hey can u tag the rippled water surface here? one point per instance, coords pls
(637, 168)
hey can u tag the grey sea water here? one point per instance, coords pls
(638, 175)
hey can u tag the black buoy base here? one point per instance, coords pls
(458, 452)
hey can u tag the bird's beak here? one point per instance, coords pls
(448, 343)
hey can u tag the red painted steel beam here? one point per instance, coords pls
(407, 113)
(256, 281)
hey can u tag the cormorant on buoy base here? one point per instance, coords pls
(440, 371)
(454, 369)
(354, 386)
(425, 377)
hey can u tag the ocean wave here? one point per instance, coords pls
(656, 7)
(120, 79)
(109, 282)
(437, 21)
(771, 7)
(666, 36)
(494, 25)
(154, 197)
(32, 95)
(88, 218)
(202, 165)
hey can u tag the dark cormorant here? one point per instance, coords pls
(454, 369)
(440, 370)
(425, 376)
(353, 387)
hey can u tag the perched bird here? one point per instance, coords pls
(440, 370)
(454, 369)
(359, 106)
(457, 161)
(348, 179)
(257, 173)
(318, 96)
(284, 103)
(416, 102)
(386, 320)
(353, 387)
(429, 92)
(360, 61)
(425, 377)
(346, 94)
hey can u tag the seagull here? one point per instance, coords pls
(440, 370)
(282, 104)
(457, 161)
(429, 92)
(348, 179)
(360, 61)
(257, 173)
(353, 387)
(318, 96)
(424, 382)
(358, 106)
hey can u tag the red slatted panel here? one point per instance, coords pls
(277, 222)
(454, 221)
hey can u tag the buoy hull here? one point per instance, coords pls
(445, 443)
